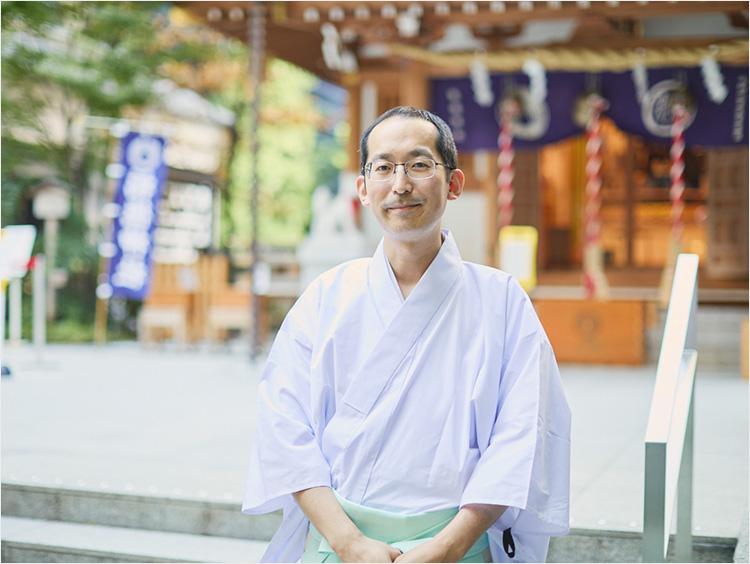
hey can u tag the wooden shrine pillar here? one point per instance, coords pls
(354, 111)
(413, 84)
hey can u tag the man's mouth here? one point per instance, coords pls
(402, 205)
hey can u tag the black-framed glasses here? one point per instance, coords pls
(416, 169)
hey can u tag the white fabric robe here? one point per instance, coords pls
(447, 398)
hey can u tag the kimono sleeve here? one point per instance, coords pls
(285, 455)
(524, 437)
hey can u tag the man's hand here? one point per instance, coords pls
(429, 551)
(350, 545)
(366, 549)
(454, 541)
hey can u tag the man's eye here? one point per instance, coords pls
(382, 168)
(419, 164)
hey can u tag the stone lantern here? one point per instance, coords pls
(51, 203)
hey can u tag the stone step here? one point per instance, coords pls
(27, 509)
(35, 540)
(582, 545)
(195, 517)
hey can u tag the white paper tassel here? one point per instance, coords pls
(640, 79)
(331, 46)
(480, 83)
(537, 79)
(713, 80)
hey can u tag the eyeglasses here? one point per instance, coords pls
(416, 169)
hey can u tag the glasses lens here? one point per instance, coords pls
(420, 168)
(381, 170)
(415, 168)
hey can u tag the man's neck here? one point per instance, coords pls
(410, 259)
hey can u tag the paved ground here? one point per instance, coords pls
(120, 418)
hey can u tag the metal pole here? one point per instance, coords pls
(39, 314)
(14, 310)
(51, 228)
(4, 370)
(654, 509)
(671, 414)
(257, 44)
(684, 540)
(102, 303)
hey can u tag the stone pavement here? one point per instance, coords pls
(161, 422)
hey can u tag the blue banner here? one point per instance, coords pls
(646, 112)
(138, 195)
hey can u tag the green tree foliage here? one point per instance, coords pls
(288, 161)
(63, 61)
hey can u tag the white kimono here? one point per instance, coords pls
(447, 398)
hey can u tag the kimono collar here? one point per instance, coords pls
(403, 321)
(434, 284)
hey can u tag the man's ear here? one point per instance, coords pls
(362, 191)
(456, 184)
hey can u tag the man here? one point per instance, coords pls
(411, 409)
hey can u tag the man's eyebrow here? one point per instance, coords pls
(421, 152)
(418, 152)
(381, 156)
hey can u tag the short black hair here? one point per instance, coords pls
(445, 144)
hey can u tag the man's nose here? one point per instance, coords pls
(401, 182)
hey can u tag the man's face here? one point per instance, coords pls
(407, 209)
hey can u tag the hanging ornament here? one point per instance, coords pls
(331, 46)
(594, 279)
(713, 80)
(683, 112)
(537, 79)
(680, 116)
(480, 81)
(510, 108)
(640, 79)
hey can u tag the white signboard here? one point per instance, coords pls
(16, 246)
(184, 223)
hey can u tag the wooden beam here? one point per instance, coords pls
(345, 13)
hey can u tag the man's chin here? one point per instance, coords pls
(409, 233)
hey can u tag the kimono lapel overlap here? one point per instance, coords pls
(407, 324)
(383, 288)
